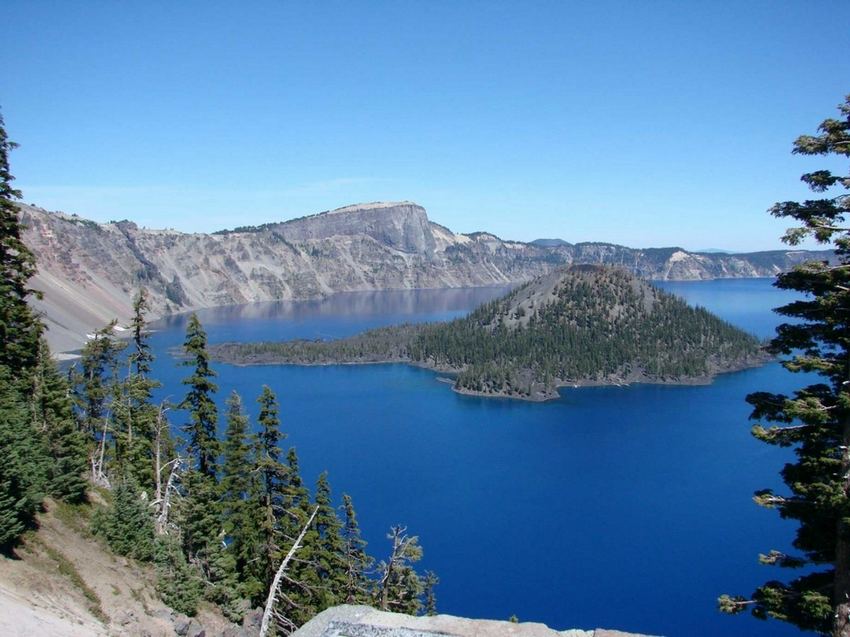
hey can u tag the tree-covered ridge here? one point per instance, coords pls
(583, 324)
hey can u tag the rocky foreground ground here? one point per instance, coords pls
(363, 621)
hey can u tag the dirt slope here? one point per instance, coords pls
(63, 582)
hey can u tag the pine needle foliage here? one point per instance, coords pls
(815, 420)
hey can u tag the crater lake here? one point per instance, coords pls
(616, 507)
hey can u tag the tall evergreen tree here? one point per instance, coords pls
(815, 420)
(20, 330)
(271, 488)
(299, 592)
(238, 508)
(142, 356)
(357, 562)
(52, 414)
(203, 412)
(99, 360)
(135, 415)
(199, 519)
(329, 548)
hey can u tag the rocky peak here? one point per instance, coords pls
(400, 225)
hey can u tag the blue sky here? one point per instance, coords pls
(645, 123)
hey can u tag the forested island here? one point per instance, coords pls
(581, 325)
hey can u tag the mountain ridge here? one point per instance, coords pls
(90, 271)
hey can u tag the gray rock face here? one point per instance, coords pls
(89, 272)
(362, 621)
(400, 226)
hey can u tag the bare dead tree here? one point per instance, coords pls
(97, 475)
(274, 591)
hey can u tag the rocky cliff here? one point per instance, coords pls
(90, 271)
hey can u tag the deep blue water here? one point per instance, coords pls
(613, 507)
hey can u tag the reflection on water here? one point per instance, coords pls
(406, 305)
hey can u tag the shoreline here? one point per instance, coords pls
(540, 396)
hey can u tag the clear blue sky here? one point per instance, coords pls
(646, 123)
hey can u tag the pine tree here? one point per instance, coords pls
(17, 512)
(20, 330)
(199, 519)
(127, 525)
(271, 488)
(238, 510)
(22, 472)
(26, 466)
(357, 562)
(400, 588)
(429, 582)
(141, 357)
(815, 420)
(135, 415)
(328, 548)
(203, 412)
(178, 583)
(99, 360)
(52, 414)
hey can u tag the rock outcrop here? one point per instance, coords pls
(362, 621)
(90, 271)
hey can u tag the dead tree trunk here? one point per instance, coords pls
(97, 474)
(273, 591)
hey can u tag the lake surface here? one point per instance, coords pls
(615, 507)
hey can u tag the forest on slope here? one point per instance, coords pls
(213, 516)
(577, 325)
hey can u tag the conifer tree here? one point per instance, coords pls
(237, 506)
(357, 561)
(20, 330)
(269, 439)
(99, 359)
(52, 414)
(135, 415)
(141, 357)
(429, 582)
(127, 525)
(329, 548)
(300, 593)
(271, 485)
(815, 420)
(199, 519)
(22, 472)
(178, 583)
(297, 501)
(25, 453)
(400, 588)
(203, 412)
(16, 509)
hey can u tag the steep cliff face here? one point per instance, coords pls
(400, 226)
(90, 271)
